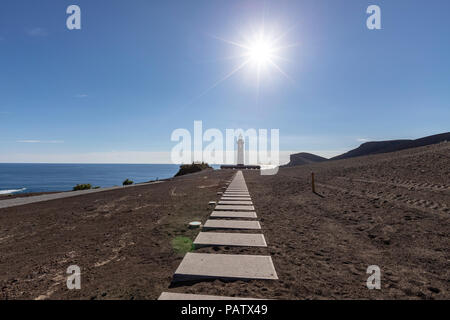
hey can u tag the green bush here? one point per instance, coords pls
(127, 182)
(86, 186)
(192, 168)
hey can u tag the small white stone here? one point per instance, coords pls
(195, 224)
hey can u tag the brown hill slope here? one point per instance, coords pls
(389, 210)
(376, 147)
(303, 158)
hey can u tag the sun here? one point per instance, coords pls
(261, 52)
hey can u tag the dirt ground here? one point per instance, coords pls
(390, 210)
(122, 240)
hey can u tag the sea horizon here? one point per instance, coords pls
(55, 177)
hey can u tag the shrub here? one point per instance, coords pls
(192, 168)
(127, 182)
(86, 186)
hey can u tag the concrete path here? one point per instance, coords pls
(197, 266)
(243, 194)
(234, 214)
(232, 224)
(229, 239)
(236, 202)
(235, 199)
(233, 205)
(54, 196)
(187, 296)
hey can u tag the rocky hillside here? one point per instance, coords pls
(376, 147)
(304, 158)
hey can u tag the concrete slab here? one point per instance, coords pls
(205, 239)
(234, 194)
(228, 207)
(234, 214)
(198, 266)
(188, 296)
(244, 203)
(232, 224)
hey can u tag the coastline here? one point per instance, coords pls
(45, 178)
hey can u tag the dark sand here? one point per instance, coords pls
(390, 210)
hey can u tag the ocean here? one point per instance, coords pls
(16, 178)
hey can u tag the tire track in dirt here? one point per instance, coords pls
(407, 184)
(401, 200)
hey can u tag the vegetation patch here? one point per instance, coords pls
(85, 186)
(127, 182)
(192, 168)
(182, 245)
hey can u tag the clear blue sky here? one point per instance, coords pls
(137, 70)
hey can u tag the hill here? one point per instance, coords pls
(376, 147)
(303, 158)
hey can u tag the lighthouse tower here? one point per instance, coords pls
(240, 151)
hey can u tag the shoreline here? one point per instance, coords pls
(48, 196)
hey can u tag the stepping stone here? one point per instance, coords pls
(198, 266)
(232, 224)
(229, 239)
(236, 199)
(244, 203)
(234, 207)
(236, 194)
(188, 296)
(233, 214)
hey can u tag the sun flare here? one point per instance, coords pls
(261, 52)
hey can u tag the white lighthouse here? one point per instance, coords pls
(240, 151)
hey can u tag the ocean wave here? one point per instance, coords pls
(12, 191)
